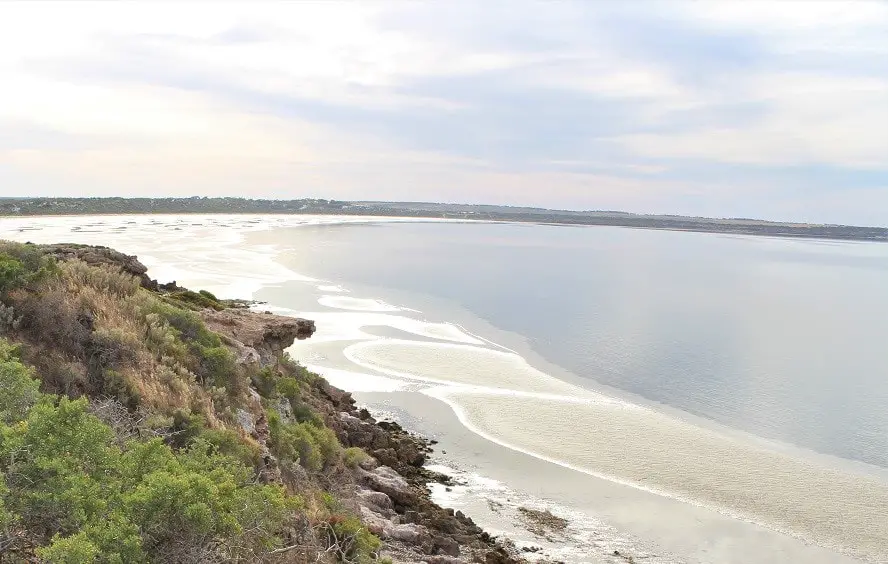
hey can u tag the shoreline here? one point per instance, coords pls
(265, 285)
(803, 231)
(760, 442)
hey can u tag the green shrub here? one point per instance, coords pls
(229, 443)
(295, 370)
(82, 497)
(22, 265)
(311, 446)
(265, 380)
(197, 300)
(76, 549)
(113, 348)
(9, 321)
(187, 426)
(354, 456)
(12, 273)
(216, 366)
(117, 386)
(181, 335)
(288, 388)
(114, 540)
(209, 295)
(351, 540)
(187, 323)
(19, 391)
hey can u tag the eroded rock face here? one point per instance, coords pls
(265, 334)
(387, 443)
(375, 501)
(390, 483)
(393, 498)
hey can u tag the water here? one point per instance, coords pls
(781, 338)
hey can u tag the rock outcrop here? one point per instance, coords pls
(98, 255)
(265, 334)
(394, 498)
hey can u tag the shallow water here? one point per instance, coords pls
(781, 338)
(681, 358)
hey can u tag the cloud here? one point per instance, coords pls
(717, 108)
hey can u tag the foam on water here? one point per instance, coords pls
(355, 304)
(660, 454)
(583, 539)
(458, 364)
(348, 326)
(331, 288)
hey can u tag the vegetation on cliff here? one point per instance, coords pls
(131, 432)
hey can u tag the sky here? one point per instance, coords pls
(772, 110)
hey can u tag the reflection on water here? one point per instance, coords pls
(781, 338)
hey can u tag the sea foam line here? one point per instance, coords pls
(441, 393)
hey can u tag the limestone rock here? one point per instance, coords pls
(389, 482)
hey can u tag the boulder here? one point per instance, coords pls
(384, 479)
(376, 501)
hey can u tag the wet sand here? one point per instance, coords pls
(604, 516)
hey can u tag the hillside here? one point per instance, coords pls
(150, 423)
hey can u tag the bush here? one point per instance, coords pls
(82, 497)
(22, 265)
(12, 273)
(229, 443)
(187, 324)
(76, 549)
(105, 278)
(354, 456)
(19, 391)
(311, 446)
(265, 380)
(289, 388)
(197, 300)
(216, 366)
(350, 540)
(295, 370)
(113, 348)
(187, 426)
(180, 339)
(8, 319)
(55, 318)
(115, 385)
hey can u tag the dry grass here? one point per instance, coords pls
(97, 311)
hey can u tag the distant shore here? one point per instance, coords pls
(31, 207)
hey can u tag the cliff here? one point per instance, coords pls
(205, 386)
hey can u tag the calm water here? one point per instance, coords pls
(786, 339)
